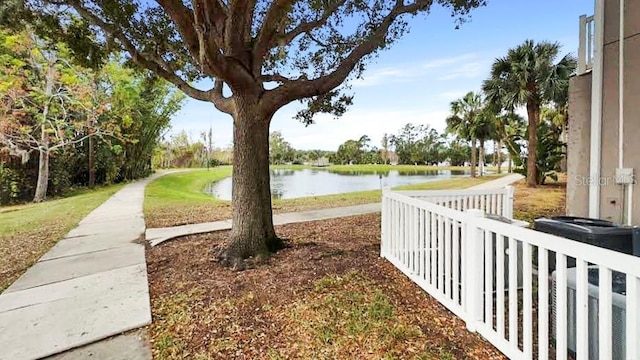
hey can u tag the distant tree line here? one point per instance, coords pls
(414, 144)
(180, 150)
(281, 152)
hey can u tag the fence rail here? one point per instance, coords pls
(521, 289)
(492, 201)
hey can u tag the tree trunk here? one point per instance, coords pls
(499, 156)
(494, 158)
(43, 161)
(92, 161)
(564, 138)
(510, 164)
(43, 167)
(473, 158)
(43, 177)
(252, 230)
(533, 113)
(481, 162)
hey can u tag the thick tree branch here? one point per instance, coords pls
(215, 14)
(274, 78)
(270, 26)
(209, 18)
(302, 88)
(308, 26)
(182, 17)
(237, 48)
(238, 27)
(224, 104)
(144, 61)
(271, 34)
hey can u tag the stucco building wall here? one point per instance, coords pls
(611, 194)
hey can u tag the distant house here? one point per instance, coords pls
(322, 161)
(603, 151)
(393, 158)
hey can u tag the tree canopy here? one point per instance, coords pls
(292, 50)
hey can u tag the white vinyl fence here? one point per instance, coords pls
(492, 201)
(501, 278)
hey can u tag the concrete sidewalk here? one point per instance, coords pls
(498, 183)
(159, 235)
(90, 286)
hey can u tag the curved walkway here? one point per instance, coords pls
(90, 286)
(157, 236)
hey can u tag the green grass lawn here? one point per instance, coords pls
(542, 201)
(183, 187)
(28, 231)
(178, 199)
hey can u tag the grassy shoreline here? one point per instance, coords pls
(178, 199)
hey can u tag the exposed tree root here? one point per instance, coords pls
(239, 258)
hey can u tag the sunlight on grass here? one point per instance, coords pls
(542, 201)
(184, 187)
(179, 198)
(28, 231)
(456, 183)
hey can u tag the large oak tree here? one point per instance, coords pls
(259, 55)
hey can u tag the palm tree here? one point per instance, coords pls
(463, 113)
(557, 120)
(483, 128)
(529, 76)
(510, 128)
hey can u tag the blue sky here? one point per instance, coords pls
(417, 78)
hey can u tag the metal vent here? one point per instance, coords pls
(618, 316)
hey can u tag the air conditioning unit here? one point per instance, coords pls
(618, 316)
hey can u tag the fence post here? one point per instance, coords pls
(507, 210)
(473, 282)
(384, 223)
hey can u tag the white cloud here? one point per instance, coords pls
(468, 70)
(453, 95)
(437, 63)
(410, 71)
(385, 75)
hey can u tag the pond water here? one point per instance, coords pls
(289, 183)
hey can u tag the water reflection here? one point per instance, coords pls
(405, 172)
(290, 183)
